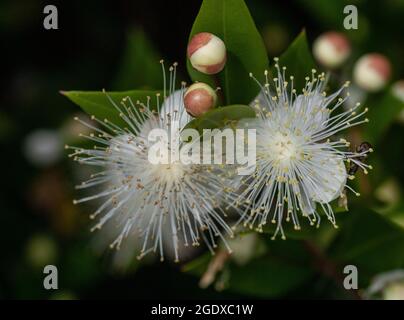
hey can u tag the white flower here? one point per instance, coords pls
(299, 168)
(165, 205)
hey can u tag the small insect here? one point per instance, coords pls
(363, 149)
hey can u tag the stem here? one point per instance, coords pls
(216, 264)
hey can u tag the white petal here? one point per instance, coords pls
(328, 180)
(306, 203)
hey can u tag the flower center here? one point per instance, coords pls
(283, 148)
(170, 172)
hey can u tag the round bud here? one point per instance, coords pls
(43, 147)
(394, 290)
(372, 71)
(398, 90)
(207, 53)
(331, 49)
(199, 98)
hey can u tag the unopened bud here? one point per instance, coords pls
(398, 90)
(199, 98)
(372, 71)
(394, 291)
(331, 49)
(207, 53)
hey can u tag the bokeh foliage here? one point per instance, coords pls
(36, 202)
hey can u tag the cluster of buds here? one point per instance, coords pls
(371, 72)
(207, 54)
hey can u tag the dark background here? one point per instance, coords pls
(86, 53)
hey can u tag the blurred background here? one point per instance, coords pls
(116, 45)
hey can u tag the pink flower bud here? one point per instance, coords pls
(207, 53)
(199, 98)
(331, 49)
(372, 71)
(398, 90)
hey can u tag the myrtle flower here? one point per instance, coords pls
(300, 169)
(166, 204)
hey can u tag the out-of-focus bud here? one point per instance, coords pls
(398, 90)
(43, 147)
(394, 291)
(207, 53)
(388, 286)
(372, 71)
(331, 49)
(199, 98)
(244, 248)
(389, 192)
(41, 250)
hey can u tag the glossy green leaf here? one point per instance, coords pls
(97, 103)
(231, 21)
(381, 115)
(221, 117)
(298, 61)
(268, 278)
(140, 67)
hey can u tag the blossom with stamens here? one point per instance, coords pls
(300, 169)
(166, 204)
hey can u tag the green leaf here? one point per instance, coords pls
(140, 67)
(220, 117)
(298, 61)
(97, 103)
(199, 265)
(268, 278)
(285, 267)
(381, 115)
(231, 21)
(370, 242)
